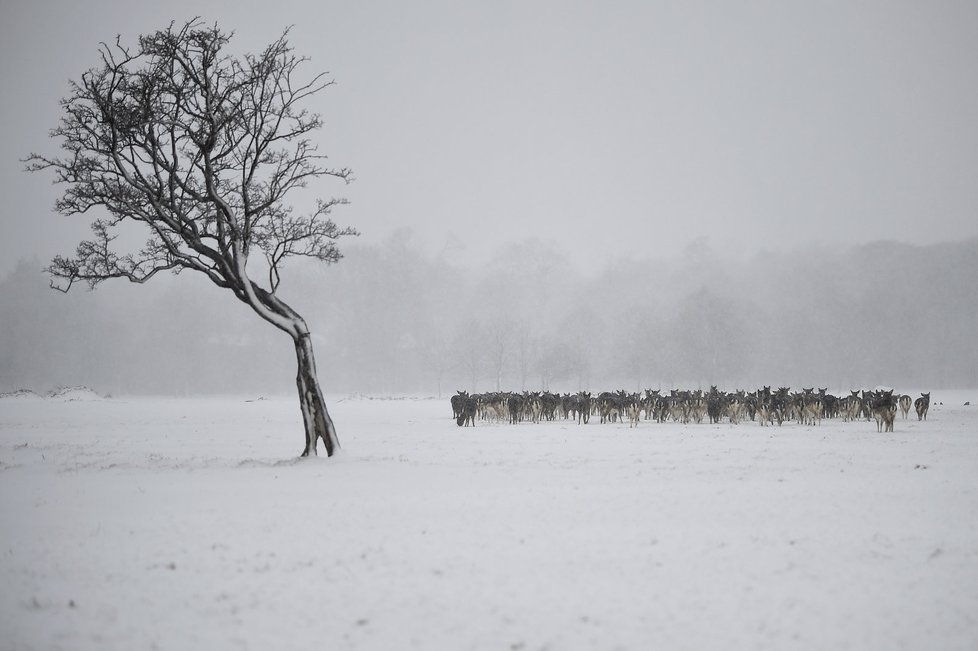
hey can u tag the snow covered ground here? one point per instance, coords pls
(135, 523)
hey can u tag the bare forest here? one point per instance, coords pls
(394, 319)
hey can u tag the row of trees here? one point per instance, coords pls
(393, 319)
(883, 313)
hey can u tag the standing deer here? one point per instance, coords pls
(922, 404)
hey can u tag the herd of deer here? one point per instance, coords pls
(764, 406)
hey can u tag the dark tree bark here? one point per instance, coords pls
(315, 416)
(202, 148)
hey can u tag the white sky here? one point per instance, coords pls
(612, 128)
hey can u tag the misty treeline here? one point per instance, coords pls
(394, 319)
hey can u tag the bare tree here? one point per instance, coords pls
(499, 334)
(201, 148)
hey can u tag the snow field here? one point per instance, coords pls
(176, 524)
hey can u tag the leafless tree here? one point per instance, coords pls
(202, 148)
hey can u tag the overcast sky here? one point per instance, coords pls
(612, 128)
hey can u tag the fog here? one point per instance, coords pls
(552, 195)
(630, 128)
(394, 319)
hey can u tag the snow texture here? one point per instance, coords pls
(189, 524)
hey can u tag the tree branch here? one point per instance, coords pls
(201, 147)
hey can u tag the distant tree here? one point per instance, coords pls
(202, 148)
(435, 358)
(469, 348)
(710, 338)
(499, 333)
(585, 331)
(556, 361)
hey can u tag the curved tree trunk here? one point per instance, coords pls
(315, 416)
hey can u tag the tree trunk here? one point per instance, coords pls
(316, 418)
